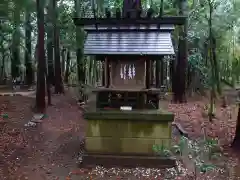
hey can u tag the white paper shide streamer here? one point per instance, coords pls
(130, 72)
(121, 72)
(133, 71)
(124, 72)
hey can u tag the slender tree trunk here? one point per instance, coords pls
(3, 57)
(205, 52)
(216, 64)
(67, 72)
(48, 89)
(236, 140)
(49, 75)
(211, 58)
(50, 61)
(181, 68)
(63, 54)
(80, 65)
(3, 73)
(79, 50)
(58, 73)
(90, 70)
(172, 70)
(28, 51)
(41, 69)
(15, 70)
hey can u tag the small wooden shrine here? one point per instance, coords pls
(126, 120)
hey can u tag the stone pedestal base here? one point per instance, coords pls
(126, 138)
(126, 161)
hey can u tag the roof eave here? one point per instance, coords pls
(128, 53)
(176, 20)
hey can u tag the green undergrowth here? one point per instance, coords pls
(201, 155)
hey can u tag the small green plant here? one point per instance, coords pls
(176, 149)
(213, 148)
(4, 116)
(197, 152)
(161, 150)
(207, 167)
(44, 116)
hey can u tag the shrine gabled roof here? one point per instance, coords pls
(128, 43)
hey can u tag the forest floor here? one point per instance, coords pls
(49, 151)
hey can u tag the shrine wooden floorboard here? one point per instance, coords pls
(126, 161)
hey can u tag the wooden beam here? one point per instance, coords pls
(124, 57)
(175, 20)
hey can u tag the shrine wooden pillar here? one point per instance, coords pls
(151, 72)
(162, 72)
(158, 71)
(107, 73)
(148, 74)
(103, 72)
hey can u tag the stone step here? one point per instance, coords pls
(126, 161)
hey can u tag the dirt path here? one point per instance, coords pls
(57, 142)
(51, 147)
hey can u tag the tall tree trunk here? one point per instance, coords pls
(58, 73)
(63, 54)
(236, 140)
(3, 73)
(50, 62)
(211, 56)
(79, 50)
(80, 61)
(172, 70)
(3, 54)
(67, 72)
(216, 65)
(15, 70)
(131, 8)
(48, 89)
(90, 70)
(41, 69)
(182, 59)
(126, 7)
(28, 51)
